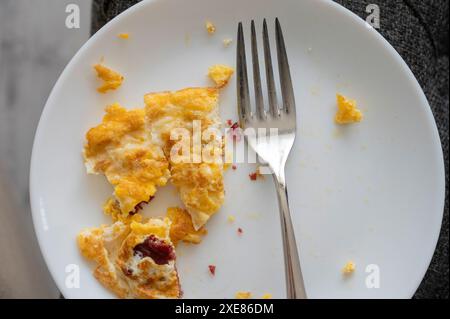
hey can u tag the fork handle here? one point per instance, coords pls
(294, 280)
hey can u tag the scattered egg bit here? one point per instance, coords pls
(231, 218)
(266, 296)
(111, 79)
(220, 74)
(347, 111)
(243, 295)
(210, 27)
(349, 268)
(124, 36)
(227, 42)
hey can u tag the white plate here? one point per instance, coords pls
(371, 192)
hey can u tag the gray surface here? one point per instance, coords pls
(35, 46)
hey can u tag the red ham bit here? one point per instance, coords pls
(234, 167)
(155, 248)
(212, 269)
(253, 176)
(240, 231)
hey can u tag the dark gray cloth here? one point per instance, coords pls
(419, 31)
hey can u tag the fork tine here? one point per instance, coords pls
(256, 76)
(242, 79)
(285, 76)
(273, 108)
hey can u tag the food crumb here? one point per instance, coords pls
(253, 176)
(243, 295)
(231, 218)
(210, 27)
(124, 36)
(226, 42)
(220, 74)
(347, 111)
(234, 167)
(212, 269)
(267, 296)
(112, 79)
(240, 231)
(349, 268)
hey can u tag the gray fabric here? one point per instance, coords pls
(419, 31)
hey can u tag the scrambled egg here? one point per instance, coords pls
(266, 296)
(220, 74)
(210, 27)
(200, 184)
(112, 80)
(134, 260)
(349, 268)
(347, 111)
(182, 228)
(121, 149)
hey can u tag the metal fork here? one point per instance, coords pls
(272, 151)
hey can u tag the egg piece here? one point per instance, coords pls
(198, 178)
(349, 268)
(347, 111)
(243, 295)
(220, 74)
(122, 149)
(135, 260)
(111, 79)
(182, 228)
(124, 36)
(210, 27)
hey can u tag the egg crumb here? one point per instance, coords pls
(124, 36)
(243, 295)
(231, 218)
(267, 296)
(227, 42)
(210, 27)
(349, 268)
(220, 74)
(347, 111)
(112, 79)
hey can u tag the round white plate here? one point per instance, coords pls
(372, 192)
